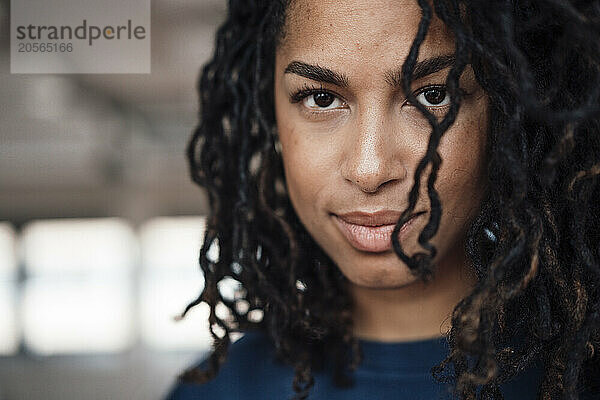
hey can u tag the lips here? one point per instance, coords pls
(372, 232)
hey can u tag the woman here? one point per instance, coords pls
(405, 192)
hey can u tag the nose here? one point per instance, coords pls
(373, 157)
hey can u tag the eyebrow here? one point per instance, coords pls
(394, 78)
(316, 73)
(422, 69)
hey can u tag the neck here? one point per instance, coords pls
(415, 311)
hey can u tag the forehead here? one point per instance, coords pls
(375, 31)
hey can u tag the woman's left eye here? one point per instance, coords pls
(322, 101)
(434, 96)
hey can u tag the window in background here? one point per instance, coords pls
(79, 292)
(9, 331)
(170, 279)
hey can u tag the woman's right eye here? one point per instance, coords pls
(318, 99)
(322, 101)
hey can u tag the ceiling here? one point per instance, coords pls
(77, 145)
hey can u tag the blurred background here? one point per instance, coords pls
(100, 225)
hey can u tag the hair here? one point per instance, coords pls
(534, 244)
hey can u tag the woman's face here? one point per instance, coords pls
(351, 142)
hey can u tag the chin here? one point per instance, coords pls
(395, 277)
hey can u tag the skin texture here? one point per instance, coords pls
(360, 154)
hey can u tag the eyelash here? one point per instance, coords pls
(307, 90)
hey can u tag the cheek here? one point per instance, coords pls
(461, 181)
(300, 180)
(305, 173)
(310, 160)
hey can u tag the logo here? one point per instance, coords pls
(82, 32)
(75, 36)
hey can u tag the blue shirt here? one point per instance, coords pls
(388, 371)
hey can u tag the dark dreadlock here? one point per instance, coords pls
(534, 245)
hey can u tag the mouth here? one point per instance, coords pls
(372, 232)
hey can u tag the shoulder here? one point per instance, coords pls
(249, 372)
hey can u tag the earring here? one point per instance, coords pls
(277, 144)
